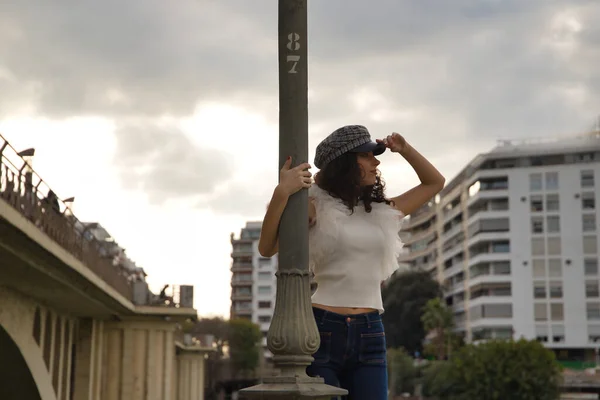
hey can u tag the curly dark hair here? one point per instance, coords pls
(341, 179)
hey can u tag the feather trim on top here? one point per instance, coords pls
(330, 212)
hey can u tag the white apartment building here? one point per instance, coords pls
(514, 238)
(253, 281)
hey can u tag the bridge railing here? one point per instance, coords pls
(23, 189)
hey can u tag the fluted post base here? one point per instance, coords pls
(293, 338)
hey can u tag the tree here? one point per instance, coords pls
(439, 319)
(402, 372)
(404, 298)
(244, 348)
(218, 327)
(516, 370)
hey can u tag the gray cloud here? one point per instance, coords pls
(141, 58)
(447, 74)
(165, 164)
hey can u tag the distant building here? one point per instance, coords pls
(514, 239)
(253, 281)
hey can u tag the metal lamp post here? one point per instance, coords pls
(293, 335)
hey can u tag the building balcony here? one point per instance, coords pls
(241, 296)
(242, 311)
(242, 253)
(421, 235)
(455, 289)
(489, 300)
(241, 282)
(453, 251)
(452, 231)
(488, 194)
(453, 270)
(488, 257)
(241, 267)
(418, 219)
(459, 306)
(241, 241)
(451, 214)
(409, 256)
(488, 279)
(488, 214)
(483, 236)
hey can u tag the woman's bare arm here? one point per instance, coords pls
(291, 180)
(432, 181)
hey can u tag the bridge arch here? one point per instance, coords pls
(23, 372)
(16, 381)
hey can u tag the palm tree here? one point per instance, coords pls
(439, 319)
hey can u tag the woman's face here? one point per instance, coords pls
(368, 168)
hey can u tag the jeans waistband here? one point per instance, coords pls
(365, 318)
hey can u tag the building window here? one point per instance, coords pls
(538, 246)
(555, 267)
(264, 262)
(264, 304)
(588, 201)
(539, 290)
(551, 180)
(587, 178)
(589, 222)
(593, 311)
(540, 312)
(535, 182)
(590, 245)
(264, 290)
(591, 289)
(558, 333)
(501, 268)
(537, 203)
(265, 276)
(552, 202)
(500, 247)
(556, 312)
(556, 290)
(539, 268)
(554, 246)
(264, 318)
(537, 225)
(590, 266)
(553, 223)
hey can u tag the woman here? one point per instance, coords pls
(354, 246)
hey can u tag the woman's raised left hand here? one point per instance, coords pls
(395, 142)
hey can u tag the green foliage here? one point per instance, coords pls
(401, 371)
(436, 379)
(244, 345)
(454, 341)
(496, 370)
(404, 298)
(437, 317)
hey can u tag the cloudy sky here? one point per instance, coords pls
(161, 117)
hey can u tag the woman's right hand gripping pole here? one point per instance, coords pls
(291, 180)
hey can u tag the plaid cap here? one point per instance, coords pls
(343, 140)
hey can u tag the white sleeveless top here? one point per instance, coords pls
(351, 254)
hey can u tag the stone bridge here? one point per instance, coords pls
(76, 321)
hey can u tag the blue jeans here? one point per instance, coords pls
(352, 354)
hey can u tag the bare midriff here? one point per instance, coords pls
(344, 310)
